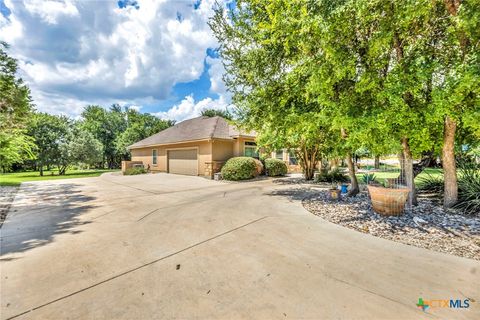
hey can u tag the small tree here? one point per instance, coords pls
(52, 136)
(215, 112)
(84, 148)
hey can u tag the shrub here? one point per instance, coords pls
(134, 171)
(239, 168)
(368, 177)
(275, 167)
(332, 176)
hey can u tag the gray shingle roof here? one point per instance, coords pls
(200, 128)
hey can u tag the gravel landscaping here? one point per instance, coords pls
(428, 225)
(7, 194)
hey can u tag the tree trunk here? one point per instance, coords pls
(308, 162)
(401, 161)
(354, 190)
(334, 163)
(377, 162)
(448, 163)
(41, 169)
(409, 178)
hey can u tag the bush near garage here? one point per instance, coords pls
(239, 168)
(134, 171)
(275, 167)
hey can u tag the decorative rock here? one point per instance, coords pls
(427, 225)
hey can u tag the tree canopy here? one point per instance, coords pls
(388, 76)
(15, 108)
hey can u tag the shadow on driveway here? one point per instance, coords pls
(298, 193)
(40, 212)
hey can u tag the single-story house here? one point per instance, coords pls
(198, 146)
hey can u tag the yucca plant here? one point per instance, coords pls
(468, 188)
(431, 183)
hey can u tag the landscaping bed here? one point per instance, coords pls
(428, 225)
(7, 194)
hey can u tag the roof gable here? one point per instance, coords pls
(200, 128)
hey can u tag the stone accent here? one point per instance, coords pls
(212, 167)
(129, 164)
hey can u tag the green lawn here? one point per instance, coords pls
(16, 178)
(382, 175)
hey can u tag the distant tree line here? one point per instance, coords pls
(38, 141)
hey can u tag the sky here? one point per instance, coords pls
(157, 56)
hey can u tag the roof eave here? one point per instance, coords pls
(167, 143)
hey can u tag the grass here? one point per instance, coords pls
(16, 178)
(382, 175)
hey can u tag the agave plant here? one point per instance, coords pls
(368, 177)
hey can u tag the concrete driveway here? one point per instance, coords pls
(166, 246)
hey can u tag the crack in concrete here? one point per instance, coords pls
(137, 268)
(153, 211)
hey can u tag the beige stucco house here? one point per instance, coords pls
(198, 146)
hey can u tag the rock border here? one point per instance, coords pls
(427, 226)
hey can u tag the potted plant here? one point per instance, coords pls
(335, 193)
(388, 201)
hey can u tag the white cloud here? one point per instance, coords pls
(134, 107)
(77, 52)
(10, 28)
(216, 72)
(188, 108)
(49, 10)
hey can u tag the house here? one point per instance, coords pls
(198, 146)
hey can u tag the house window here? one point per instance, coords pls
(251, 149)
(279, 155)
(292, 159)
(154, 157)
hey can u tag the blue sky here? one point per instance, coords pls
(158, 57)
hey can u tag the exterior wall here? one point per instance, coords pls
(292, 168)
(222, 150)
(239, 146)
(129, 164)
(211, 154)
(145, 155)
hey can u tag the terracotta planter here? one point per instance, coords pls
(388, 202)
(335, 194)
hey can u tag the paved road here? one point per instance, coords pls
(166, 246)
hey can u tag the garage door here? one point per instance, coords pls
(183, 162)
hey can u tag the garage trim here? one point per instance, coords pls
(167, 158)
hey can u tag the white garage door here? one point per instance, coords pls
(183, 162)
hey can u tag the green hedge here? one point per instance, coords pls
(134, 171)
(239, 168)
(275, 167)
